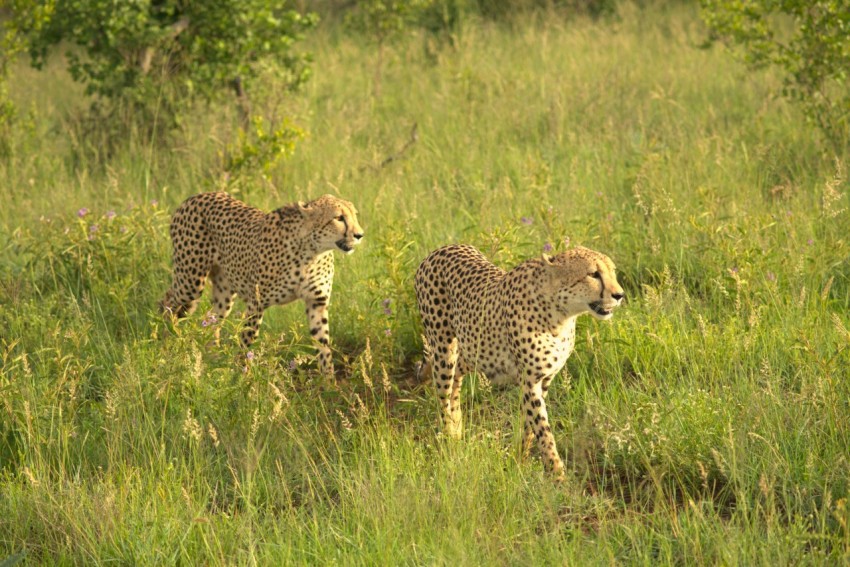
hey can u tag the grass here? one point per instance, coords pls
(707, 423)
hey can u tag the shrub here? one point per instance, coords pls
(144, 58)
(808, 39)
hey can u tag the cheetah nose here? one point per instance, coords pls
(358, 235)
(617, 296)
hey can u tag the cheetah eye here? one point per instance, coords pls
(596, 275)
(341, 218)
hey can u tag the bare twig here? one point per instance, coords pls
(243, 102)
(175, 29)
(414, 137)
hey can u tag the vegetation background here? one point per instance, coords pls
(706, 423)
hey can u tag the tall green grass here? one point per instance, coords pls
(707, 423)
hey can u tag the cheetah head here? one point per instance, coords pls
(332, 223)
(583, 281)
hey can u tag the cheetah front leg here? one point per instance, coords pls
(317, 318)
(448, 382)
(222, 299)
(253, 320)
(537, 421)
(529, 431)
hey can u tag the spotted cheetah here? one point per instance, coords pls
(512, 327)
(266, 258)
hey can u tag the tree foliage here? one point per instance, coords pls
(151, 52)
(808, 39)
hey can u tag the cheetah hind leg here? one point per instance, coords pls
(423, 370)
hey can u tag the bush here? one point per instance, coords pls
(145, 58)
(808, 39)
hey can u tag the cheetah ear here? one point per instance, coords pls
(304, 208)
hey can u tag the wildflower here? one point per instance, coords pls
(154, 202)
(209, 319)
(82, 212)
(734, 269)
(526, 220)
(111, 215)
(388, 311)
(250, 355)
(810, 242)
(388, 332)
(567, 241)
(293, 365)
(771, 277)
(386, 302)
(123, 229)
(547, 247)
(93, 228)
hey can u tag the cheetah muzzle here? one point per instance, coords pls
(265, 258)
(601, 312)
(512, 327)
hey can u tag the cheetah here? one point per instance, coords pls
(515, 327)
(265, 258)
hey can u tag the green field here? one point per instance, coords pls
(707, 423)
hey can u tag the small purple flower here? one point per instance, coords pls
(734, 269)
(111, 215)
(771, 277)
(293, 365)
(547, 247)
(599, 193)
(388, 332)
(250, 355)
(567, 242)
(386, 302)
(526, 221)
(209, 319)
(93, 228)
(388, 311)
(810, 242)
(123, 229)
(82, 212)
(154, 202)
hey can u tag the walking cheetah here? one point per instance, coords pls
(266, 258)
(513, 327)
